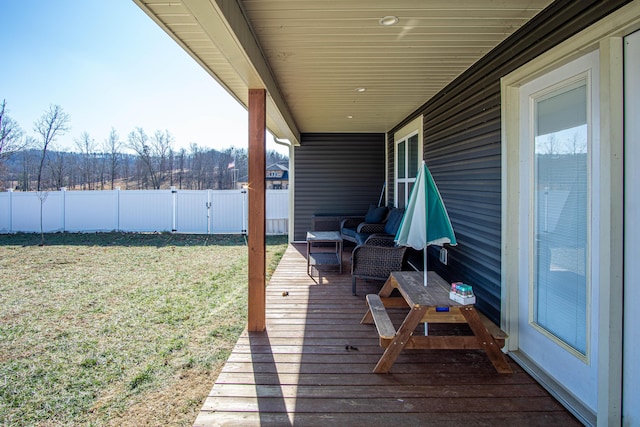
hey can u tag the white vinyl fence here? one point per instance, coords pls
(178, 211)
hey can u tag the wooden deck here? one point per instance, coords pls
(313, 367)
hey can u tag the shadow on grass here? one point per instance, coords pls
(130, 239)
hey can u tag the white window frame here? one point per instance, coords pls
(411, 129)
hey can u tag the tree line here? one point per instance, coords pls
(30, 162)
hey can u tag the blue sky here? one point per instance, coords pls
(107, 64)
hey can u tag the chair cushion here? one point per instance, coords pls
(351, 232)
(362, 237)
(393, 221)
(375, 215)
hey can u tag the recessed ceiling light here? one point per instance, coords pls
(349, 117)
(361, 89)
(388, 20)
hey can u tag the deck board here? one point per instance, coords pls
(313, 366)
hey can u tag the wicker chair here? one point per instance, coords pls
(356, 229)
(376, 259)
(359, 231)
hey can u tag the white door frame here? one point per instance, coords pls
(631, 340)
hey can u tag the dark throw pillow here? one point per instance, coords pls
(393, 221)
(375, 215)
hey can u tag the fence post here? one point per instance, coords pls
(64, 208)
(245, 200)
(118, 209)
(10, 191)
(174, 199)
(209, 211)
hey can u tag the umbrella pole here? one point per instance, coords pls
(425, 266)
(426, 325)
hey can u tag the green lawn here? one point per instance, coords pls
(118, 328)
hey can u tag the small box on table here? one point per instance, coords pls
(462, 293)
(462, 299)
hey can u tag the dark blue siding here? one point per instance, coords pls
(462, 144)
(336, 174)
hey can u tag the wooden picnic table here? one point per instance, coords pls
(430, 304)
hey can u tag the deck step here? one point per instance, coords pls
(385, 328)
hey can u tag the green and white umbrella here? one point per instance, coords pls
(425, 221)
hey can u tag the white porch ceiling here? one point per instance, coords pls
(312, 55)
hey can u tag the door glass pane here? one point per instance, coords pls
(402, 195)
(412, 156)
(560, 214)
(401, 160)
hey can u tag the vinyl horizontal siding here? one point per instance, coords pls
(336, 174)
(462, 144)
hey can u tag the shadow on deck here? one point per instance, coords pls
(313, 367)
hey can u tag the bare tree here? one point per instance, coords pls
(58, 167)
(87, 148)
(181, 166)
(10, 134)
(548, 144)
(139, 142)
(171, 161)
(161, 150)
(52, 124)
(275, 157)
(154, 153)
(72, 169)
(126, 167)
(101, 164)
(28, 165)
(197, 169)
(112, 146)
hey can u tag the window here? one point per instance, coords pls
(408, 156)
(407, 168)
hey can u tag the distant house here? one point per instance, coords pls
(277, 177)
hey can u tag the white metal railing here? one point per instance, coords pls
(179, 211)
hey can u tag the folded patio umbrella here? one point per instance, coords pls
(425, 221)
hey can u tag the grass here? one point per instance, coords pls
(117, 329)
